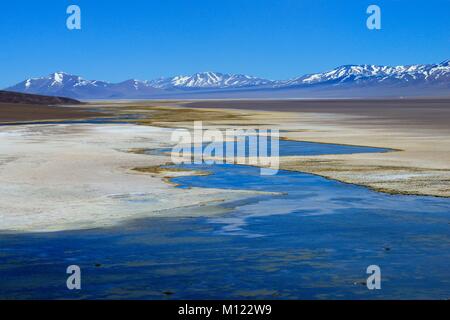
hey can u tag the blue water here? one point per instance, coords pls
(285, 148)
(311, 238)
(122, 119)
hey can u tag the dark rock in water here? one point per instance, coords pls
(98, 265)
(168, 293)
(387, 249)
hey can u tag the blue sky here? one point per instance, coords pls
(276, 39)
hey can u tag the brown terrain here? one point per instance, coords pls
(25, 98)
(19, 107)
(433, 112)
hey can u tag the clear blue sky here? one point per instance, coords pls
(275, 39)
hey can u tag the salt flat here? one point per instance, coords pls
(61, 177)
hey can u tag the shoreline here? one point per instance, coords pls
(416, 167)
(91, 165)
(85, 179)
(428, 176)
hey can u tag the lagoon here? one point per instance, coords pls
(313, 238)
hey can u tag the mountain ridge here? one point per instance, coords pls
(431, 79)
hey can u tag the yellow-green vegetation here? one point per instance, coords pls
(169, 172)
(167, 116)
(164, 115)
(137, 150)
(382, 178)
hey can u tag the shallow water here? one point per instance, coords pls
(312, 239)
(123, 119)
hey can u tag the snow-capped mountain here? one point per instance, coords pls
(67, 85)
(209, 80)
(348, 80)
(133, 88)
(59, 84)
(360, 74)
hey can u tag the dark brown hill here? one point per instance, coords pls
(24, 98)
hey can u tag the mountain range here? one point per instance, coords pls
(343, 81)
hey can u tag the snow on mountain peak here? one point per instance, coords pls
(208, 79)
(365, 75)
(372, 73)
(58, 78)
